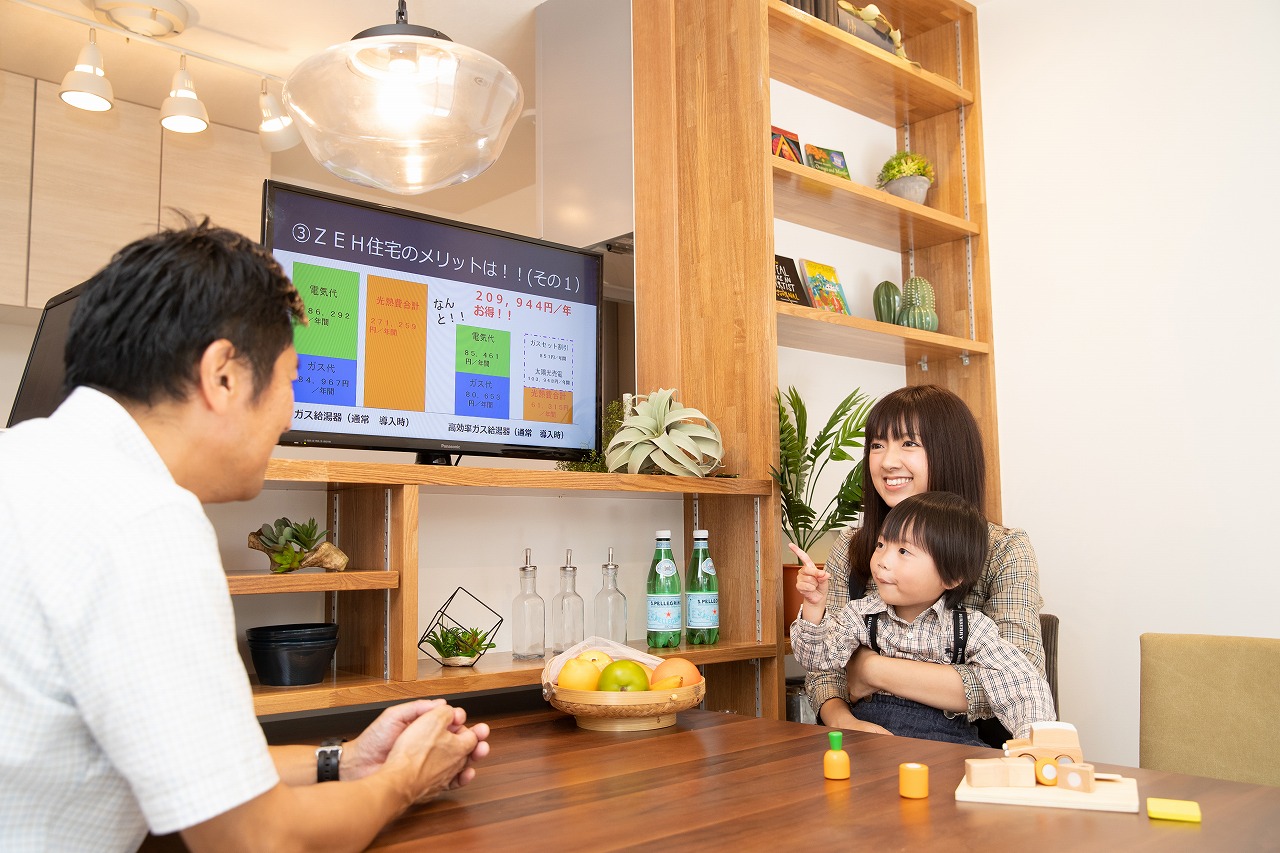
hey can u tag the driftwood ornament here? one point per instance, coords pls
(326, 554)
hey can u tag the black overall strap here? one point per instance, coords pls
(872, 623)
(959, 633)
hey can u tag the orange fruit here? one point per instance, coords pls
(677, 666)
(648, 670)
(597, 657)
(578, 674)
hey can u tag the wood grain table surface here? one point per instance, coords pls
(719, 781)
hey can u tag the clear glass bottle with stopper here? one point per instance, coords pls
(528, 638)
(611, 605)
(567, 609)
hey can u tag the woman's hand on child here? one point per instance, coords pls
(811, 581)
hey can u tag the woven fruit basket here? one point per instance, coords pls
(611, 711)
(617, 711)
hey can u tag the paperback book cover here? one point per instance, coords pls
(825, 292)
(826, 160)
(786, 145)
(790, 289)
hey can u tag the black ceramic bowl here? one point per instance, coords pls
(293, 632)
(292, 664)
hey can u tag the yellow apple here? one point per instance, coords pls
(578, 674)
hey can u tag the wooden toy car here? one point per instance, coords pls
(1056, 742)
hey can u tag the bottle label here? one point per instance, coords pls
(708, 567)
(704, 609)
(663, 613)
(665, 568)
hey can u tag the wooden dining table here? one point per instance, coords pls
(717, 781)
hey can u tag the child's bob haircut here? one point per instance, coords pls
(949, 529)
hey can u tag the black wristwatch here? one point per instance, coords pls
(328, 756)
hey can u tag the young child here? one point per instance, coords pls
(931, 550)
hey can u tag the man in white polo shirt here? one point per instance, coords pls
(123, 700)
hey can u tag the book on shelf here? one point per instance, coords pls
(786, 145)
(790, 287)
(825, 290)
(826, 160)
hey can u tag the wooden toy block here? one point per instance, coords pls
(1048, 740)
(1162, 809)
(999, 773)
(1076, 777)
(1046, 770)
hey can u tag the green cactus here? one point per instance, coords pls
(887, 299)
(918, 307)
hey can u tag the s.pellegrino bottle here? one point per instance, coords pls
(527, 626)
(611, 605)
(662, 620)
(567, 609)
(702, 595)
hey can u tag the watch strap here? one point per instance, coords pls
(328, 757)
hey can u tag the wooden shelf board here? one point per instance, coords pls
(821, 331)
(496, 670)
(847, 209)
(835, 66)
(292, 471)
(266, 582)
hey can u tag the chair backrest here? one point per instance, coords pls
(1209, 706)
(1049, 635)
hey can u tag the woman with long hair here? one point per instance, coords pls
(924, 438)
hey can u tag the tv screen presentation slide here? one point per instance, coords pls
(420, 329)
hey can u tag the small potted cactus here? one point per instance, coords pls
(292, 546)
(907, 175)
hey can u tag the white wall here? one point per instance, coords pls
(1131, 175)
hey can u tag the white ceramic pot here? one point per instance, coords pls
(911, 187)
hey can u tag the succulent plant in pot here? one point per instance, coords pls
(907, 175)
(458, 646)
(800, 464)
(660, 436)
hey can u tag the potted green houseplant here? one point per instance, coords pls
(907, 175)
(458, 646)
(800, 464)
(659, 435)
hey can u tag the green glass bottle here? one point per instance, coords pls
(702, 595)
(662, 589)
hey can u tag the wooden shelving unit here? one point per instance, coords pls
(376, 599)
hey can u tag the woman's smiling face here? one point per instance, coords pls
(899, 467)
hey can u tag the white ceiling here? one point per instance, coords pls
(271, 37)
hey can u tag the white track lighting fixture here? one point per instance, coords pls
(182, 111)
(277, 130)
(86, 86)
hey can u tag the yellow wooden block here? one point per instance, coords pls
(1161, 809)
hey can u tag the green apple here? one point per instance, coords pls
(623, 675)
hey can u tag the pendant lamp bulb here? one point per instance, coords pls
(86, 86)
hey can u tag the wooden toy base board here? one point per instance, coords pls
(1117, 796)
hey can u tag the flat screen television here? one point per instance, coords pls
(40, 389)
(435, 336)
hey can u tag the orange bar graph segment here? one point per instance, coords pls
(548, 405)
(395, 360)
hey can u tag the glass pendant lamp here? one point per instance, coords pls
(402, 108)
